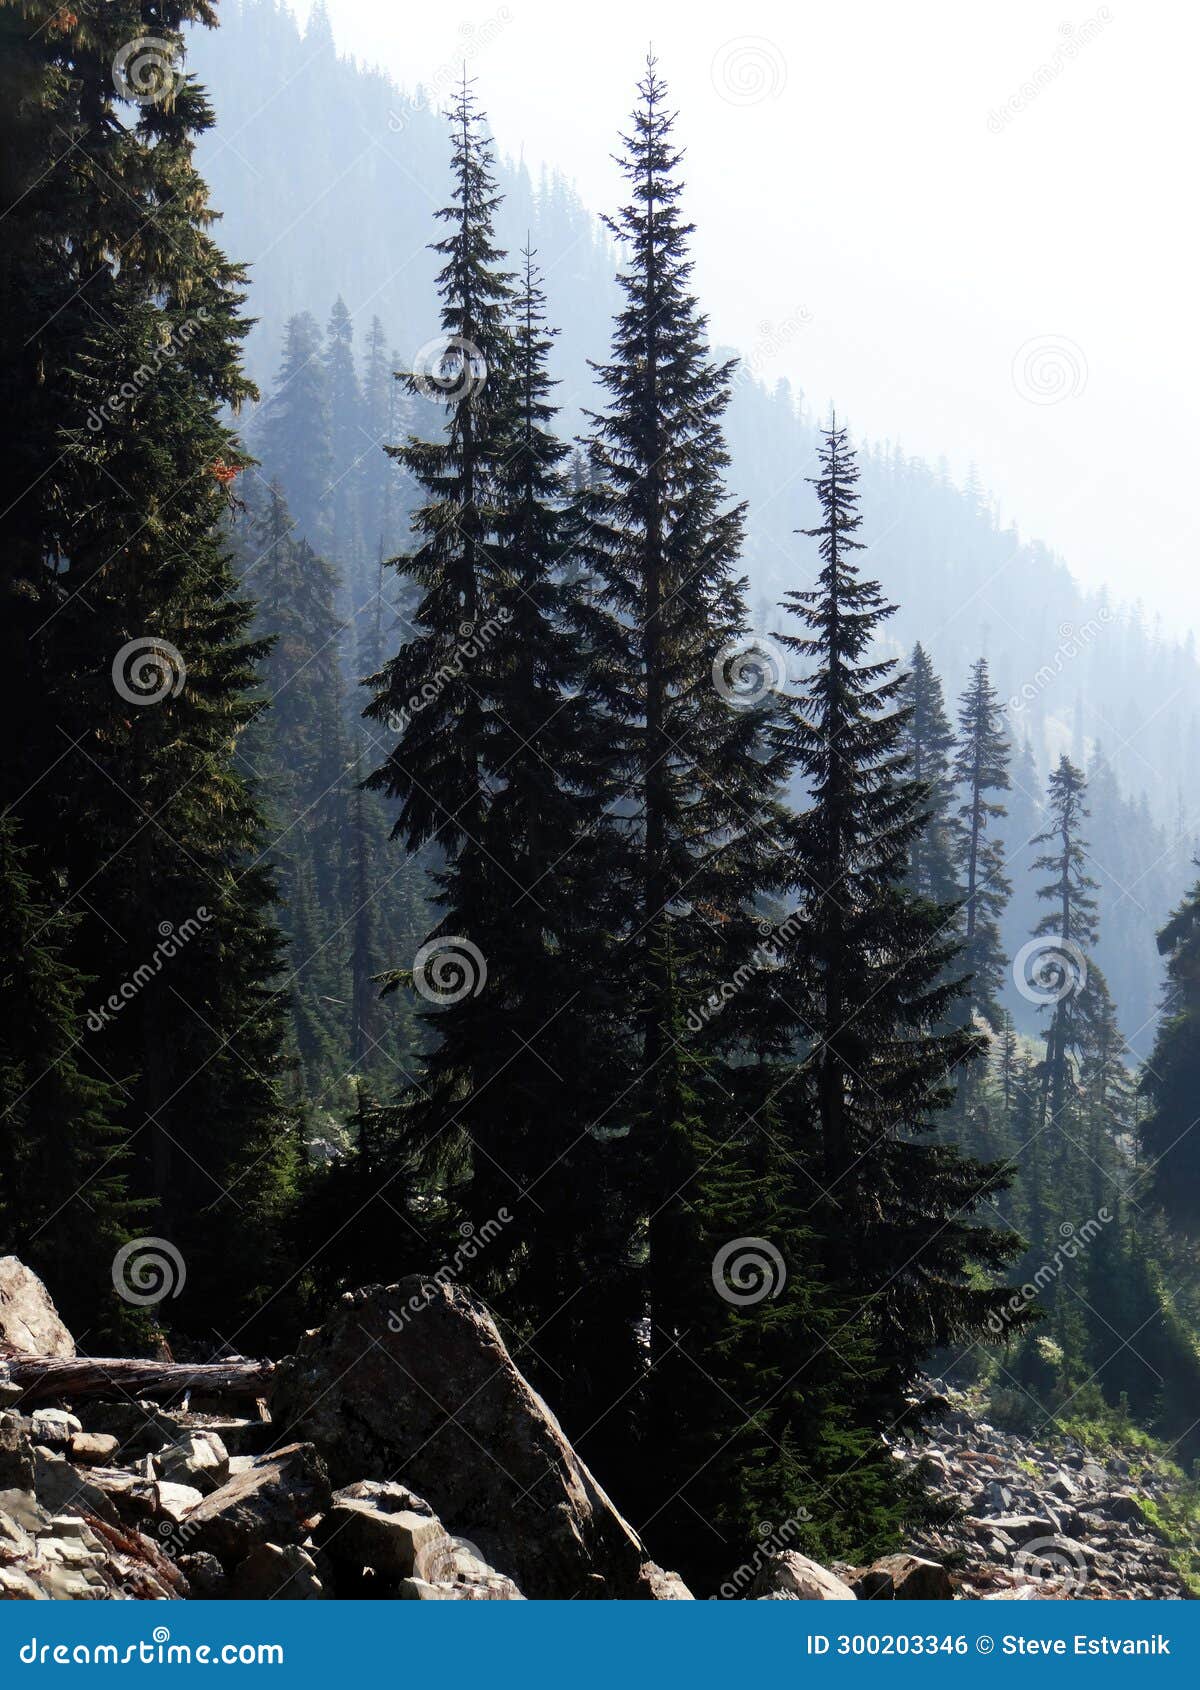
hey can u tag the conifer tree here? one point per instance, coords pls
(142, 657)
(928, 744)
(349, 446)
(292, 434)
(1069, 928)
(870, 981)
(1171, 1080)
(691, 778)
(981, 768)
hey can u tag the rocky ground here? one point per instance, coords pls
(1038, 1519)
(403, 1455)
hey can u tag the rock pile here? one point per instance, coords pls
(1040, 1520)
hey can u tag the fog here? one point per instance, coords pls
(962, 224)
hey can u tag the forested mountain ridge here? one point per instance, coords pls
(327, 192)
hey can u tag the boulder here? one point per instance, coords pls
(792, 1577)
(63, 1489)
(28, 1318)
(904, 1578)
(277, 1572)
(197, 1458)
(92, 1449)
(53, 1427)
(16, 1454)
(271, 1502)
(396, 1543)
(660, 1586)
(438, 1399)
(206, 1577)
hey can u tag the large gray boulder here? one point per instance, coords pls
(792, 1577)
(435, 1400)
(28, 1318)
(272, 1502)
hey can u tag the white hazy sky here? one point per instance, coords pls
(987, 211)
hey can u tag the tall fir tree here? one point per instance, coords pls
(927, 742)
(981, 769)
(870, 983)
(1170, 1082)
(1069, 929)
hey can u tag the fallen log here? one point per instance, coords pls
(44, 1377)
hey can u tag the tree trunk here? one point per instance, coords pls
(45, 1377)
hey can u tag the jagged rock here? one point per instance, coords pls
(53, 1427)
(438, 1399)
(790, 1576)
(172, 1501)
(273, 1571)
(16, 1454)
(205, 1575)
(137, 1426)
(397, 1543)
(904, 1578)
(63, 1489)
(92, 1449)
(1020, 1527)
(384, 1494)
(269, 1503)
(661, 1586)
(28, 1318)
(198, 1458)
